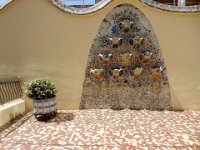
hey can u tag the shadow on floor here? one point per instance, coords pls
(58, 118)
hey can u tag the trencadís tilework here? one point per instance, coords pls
(125, 68)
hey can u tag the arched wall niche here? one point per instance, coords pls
(125, 68)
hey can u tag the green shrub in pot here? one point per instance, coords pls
(43, 94)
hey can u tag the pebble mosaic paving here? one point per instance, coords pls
(106, 130)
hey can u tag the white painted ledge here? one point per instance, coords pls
(11, 110)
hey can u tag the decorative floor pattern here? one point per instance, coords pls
(106, 130)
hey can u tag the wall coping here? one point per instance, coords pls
(100, 5)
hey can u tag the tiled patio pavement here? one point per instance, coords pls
(106, 129)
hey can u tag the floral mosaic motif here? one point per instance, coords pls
(115, 41)
(137, 73)
(147, 56)
(156, 74)
(125, 68)
(126, 59)
(97, 73)
(105, 58)
(137, 41)
(126, 25)
(117, 72)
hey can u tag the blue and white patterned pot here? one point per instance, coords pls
(45, 106)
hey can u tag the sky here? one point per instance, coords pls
(67, 2)
(78, 2)
(3, 1)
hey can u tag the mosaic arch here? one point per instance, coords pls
(184, 9)
(125, 68)
(3, 3)
(102, 3)
(80, 11)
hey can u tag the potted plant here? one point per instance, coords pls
(43, 94)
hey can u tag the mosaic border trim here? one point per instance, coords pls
(82, 11)
(103, 3)
(5, 4)
(180, 9)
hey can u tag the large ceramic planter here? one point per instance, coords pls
(45, 106)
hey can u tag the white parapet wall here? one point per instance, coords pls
(11, 110)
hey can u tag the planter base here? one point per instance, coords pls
(45, 117)
(44, 107)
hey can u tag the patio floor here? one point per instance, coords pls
(106, 129)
